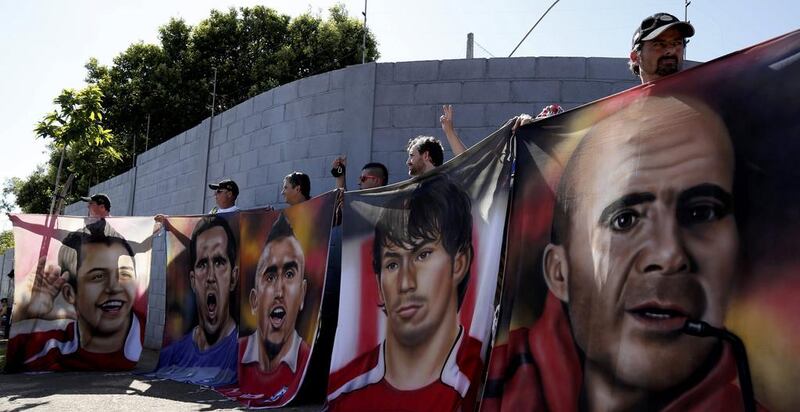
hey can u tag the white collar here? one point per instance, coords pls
(250, 354)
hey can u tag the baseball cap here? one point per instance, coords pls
(99, 198)
(653, 26)
(226, 184)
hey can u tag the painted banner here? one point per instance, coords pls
(80, 292)
(420, 263)
(283, 260)
(649, 229)
(202, 300)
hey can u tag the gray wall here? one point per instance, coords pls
(367, 112)
(6, 266)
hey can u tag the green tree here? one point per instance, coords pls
(253, 50)
(6, 240)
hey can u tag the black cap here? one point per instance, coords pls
(226, 184)
(100, 199)
(658, 23)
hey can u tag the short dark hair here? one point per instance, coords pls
(430, 145)
(302, 179)
(280, 229)
(436, 209)
(70, 254)
(205, 224)
(382, 168)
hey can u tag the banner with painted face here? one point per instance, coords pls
(80, 297)
(420, 263)
(283, 260)
(202, 310)
(646, 231)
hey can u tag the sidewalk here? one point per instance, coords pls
(115, 391)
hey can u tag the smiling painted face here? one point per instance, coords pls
(106, 289)
(651, 242)
(213, 278)
(279, 294)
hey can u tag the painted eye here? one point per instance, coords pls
(424, 255)
(624, 220)
(392, 266)
(289, 274)
(270, 276)
(703, 213)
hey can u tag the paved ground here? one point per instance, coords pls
(129, 392)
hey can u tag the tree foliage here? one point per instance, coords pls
(6, 240)
(253, 50)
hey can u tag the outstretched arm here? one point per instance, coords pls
(446, 119)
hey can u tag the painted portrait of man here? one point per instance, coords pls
(421, 258)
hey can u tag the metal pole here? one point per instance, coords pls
(364, 40)
(470, 45)
(210, 128)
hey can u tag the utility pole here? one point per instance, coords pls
(147, 133)
(364, 40)
(470, 45)
(210, 128)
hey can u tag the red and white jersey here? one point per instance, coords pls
(361, 385)
(54, 345)
(275, 388)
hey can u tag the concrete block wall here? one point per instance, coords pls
(366, 112)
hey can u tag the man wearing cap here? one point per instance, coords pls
(657, 46)
(226, 192)
(99, 205)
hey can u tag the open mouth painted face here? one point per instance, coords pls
(211, 306)
(277, 316)
(112, 307)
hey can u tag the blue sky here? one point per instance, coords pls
(44, 44)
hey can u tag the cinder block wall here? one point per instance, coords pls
(366, 112)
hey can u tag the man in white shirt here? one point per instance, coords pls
(226, 192)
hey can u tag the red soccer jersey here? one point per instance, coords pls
(257, 388)
(361, 384)
(54, 345)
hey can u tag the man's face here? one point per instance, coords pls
(417, 162)
(106, 290)
(652, 242)
(213, 277)
(661, 56)
(224, 198)
(291, 193)
(97, 210)
(418, 284)
(279, 293)
(369, 179)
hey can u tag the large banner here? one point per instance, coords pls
(202, 310)
(420, 263)
(80, 293)
(283, 261)
(647, 231)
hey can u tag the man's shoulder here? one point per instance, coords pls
(355, 374)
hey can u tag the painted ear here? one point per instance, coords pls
(234, 278)
(303, 293)
(253, 301)
(461, 265)
(381, 300)
(556, 271)
(191, 280)
(69, 293)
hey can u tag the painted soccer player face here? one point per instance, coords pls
(417, 162)
(369, 179)
(213, 277)
(661, 56)
(106, 291)
(418, 284)
(291, 193)
(652, 242)
(279, 294)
